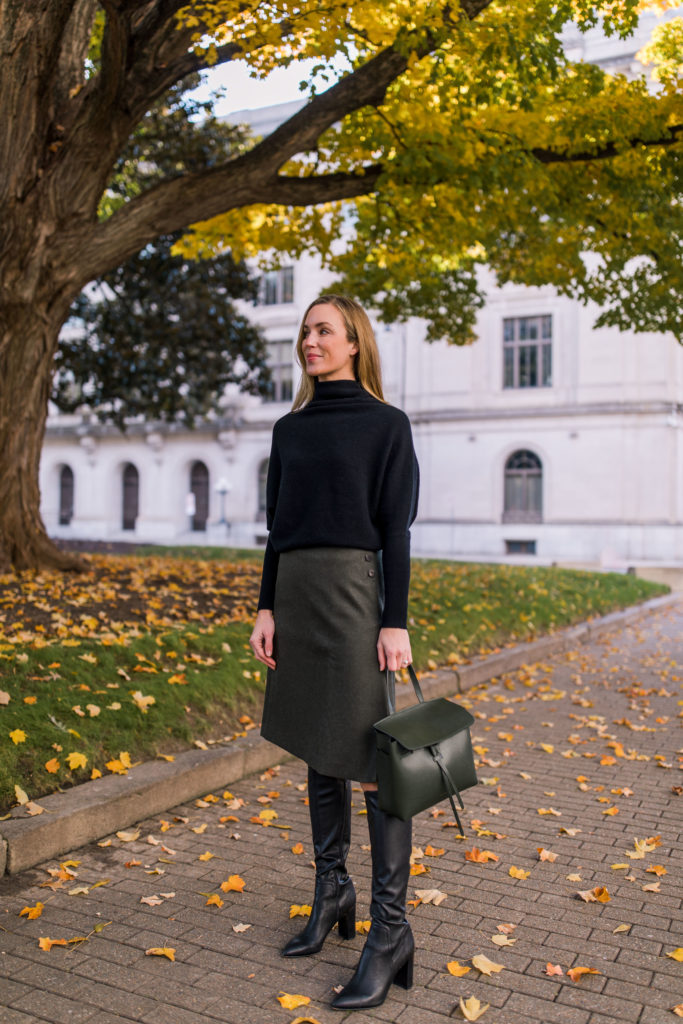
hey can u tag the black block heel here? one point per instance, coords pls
(404, 975)
(347, 924)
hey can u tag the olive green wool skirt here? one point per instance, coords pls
(326, 690)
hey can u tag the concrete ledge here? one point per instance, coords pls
(95, 809)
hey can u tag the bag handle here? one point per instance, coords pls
(451, 788)
(391, 688)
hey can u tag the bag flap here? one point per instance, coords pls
(423, 724)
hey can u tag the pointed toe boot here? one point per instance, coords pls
(387, 957)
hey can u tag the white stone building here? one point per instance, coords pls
(545, 438)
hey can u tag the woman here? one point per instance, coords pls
(341, 495)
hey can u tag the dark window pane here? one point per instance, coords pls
(509, 368)
(547, 377)
(547, 327)
(508, 329)
(287, 284)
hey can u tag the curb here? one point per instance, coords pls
(95, 809)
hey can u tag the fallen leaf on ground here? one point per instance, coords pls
(167, 951)
(151, 901)
(656, 869)
(239, 927)
(551, 969)
(431, 851)
(214, 900)
(622, 928)
(76, 760)
(576, 973)
(503, 940)
(52, 765)
(597, 895)
(305, 1020)
(21, 795)
(298, 848)
(505, 929)
(678, 1010)
(518, 872)
(128, 837)
(434, 896)
(652, 887)
(32, 912)
(544, 854)
(676, 954)
(471, 1008)
(457, 969)
(363, 927)
(486, 966)
(300, 910)
(206, 856)
(290, 1002)
(550, 810)
(233, 884)
(17, 736)
(478, 856)
(47, 944)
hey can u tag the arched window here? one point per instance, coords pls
(262, 479)
(66, 495)
(523, 488)
(131, 489)
(199, 485)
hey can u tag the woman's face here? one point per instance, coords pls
(328, 353)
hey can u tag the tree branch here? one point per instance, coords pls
(606, 152)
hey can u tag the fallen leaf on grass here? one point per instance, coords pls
(551, 969)
(21, 795)
(457, 969)
(577, 973)
(32, 912)
(17, 736)
(166, 951)
(486, 966)
(76, 760)
(597, 895)
(471, 1008)
(233, 884)
(52, 765)
(290, 1002)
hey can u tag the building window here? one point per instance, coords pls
(131, 490)
(523, 488)
(262, 481)
(527, 351)
(66, 495)
(520, 547)
(199, 485)
(281, 373)
(277, 287)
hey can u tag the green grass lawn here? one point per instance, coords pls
(146, 654)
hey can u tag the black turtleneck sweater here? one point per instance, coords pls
(343, 473)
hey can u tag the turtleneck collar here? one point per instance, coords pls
(325, 389)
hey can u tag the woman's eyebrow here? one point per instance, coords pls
(321, 323)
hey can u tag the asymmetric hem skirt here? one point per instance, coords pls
(326, 690)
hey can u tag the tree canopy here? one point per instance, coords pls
(448, 135)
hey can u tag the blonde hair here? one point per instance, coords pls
(366, 362)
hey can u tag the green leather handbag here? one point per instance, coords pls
(424, 754)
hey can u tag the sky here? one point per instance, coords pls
(244, 93)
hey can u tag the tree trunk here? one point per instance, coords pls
(28, 340)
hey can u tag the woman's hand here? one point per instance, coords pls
(261, 639)
(393, 649)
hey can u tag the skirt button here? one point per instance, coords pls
(371, 572)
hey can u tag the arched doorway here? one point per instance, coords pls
(523, 501)
(199, 485)
(66, 495)
(131, 491)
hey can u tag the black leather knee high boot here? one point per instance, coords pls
(388, 953)
(329, 803)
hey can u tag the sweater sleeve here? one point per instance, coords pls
(397, 510)
(271, 556)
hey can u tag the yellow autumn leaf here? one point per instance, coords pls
(362, 927)
(233, 884)
(52, 765)
(576, 973)
(128, 837)
(548, 747)
(597, 895)
(291, 1002)
(431, 851)
(20, 794)
(214, 900)
(4, 697)
(96, 773)
(300, 910)
(518, 873)
(298, 848)
(166, 951)
(471, 1008)
(486, 966)
(503, 940)
(142, 702)
(268, 814)
(207, 855)
(76, 760)
(32, 912)
(676, 954)
(17, 736)
(457, 969)
(47, 944)
(305, 1020)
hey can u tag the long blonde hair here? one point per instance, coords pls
(366, 363)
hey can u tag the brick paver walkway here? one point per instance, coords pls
(592, 738)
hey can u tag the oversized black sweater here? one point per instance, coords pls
(343, 473)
